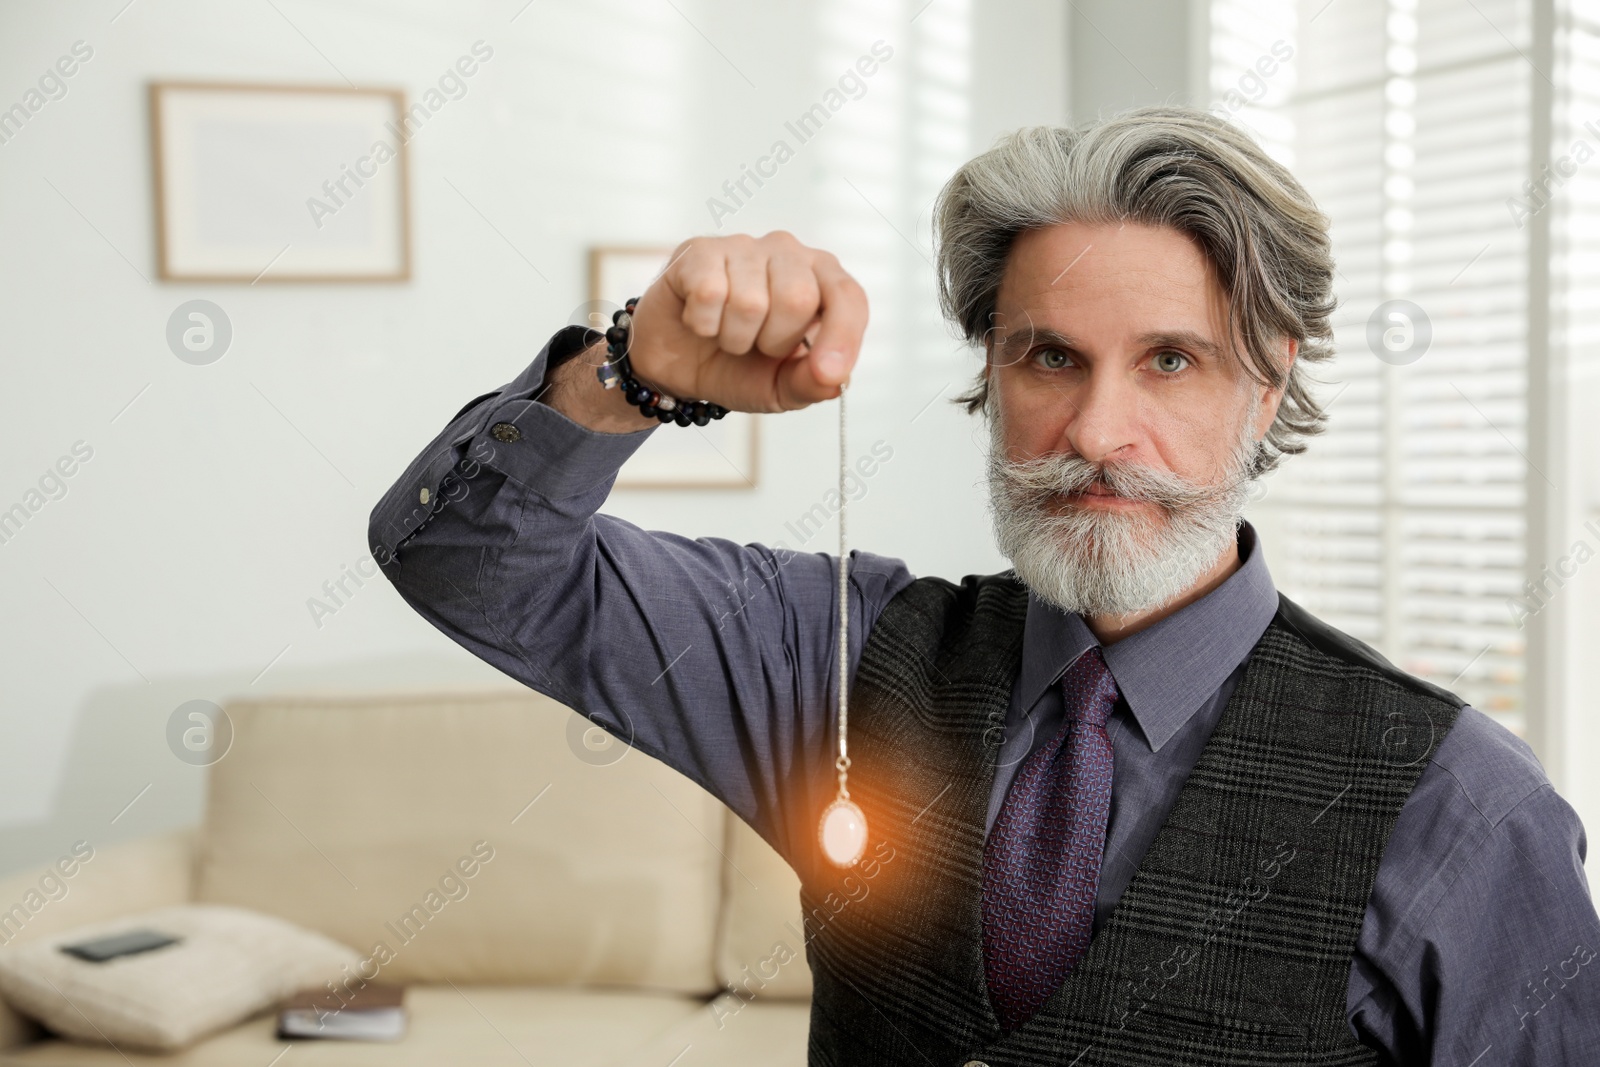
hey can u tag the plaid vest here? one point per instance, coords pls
(1232, 943)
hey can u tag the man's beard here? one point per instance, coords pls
(1110, 562)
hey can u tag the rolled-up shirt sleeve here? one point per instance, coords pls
(715, 657)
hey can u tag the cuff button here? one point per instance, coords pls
(506, 432)
(424, 496)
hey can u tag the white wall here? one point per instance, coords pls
(179, 563)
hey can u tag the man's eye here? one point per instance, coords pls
(1051, 358)
(1171, 362)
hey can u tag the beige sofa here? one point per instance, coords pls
(620, 909)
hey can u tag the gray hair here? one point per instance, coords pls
(1165, 166)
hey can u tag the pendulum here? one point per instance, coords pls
(843, 829)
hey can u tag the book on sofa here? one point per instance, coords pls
(374, 1013)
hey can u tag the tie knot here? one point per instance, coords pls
(1089, 689)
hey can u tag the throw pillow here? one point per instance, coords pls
(228, 964)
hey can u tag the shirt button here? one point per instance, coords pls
(975, 1063)
(506, 432)
(424, 495)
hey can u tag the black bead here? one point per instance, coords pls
(681, 417)
(617, 336)
(636, 393)
(615, 315)
(664, 416)
(650, 411)
(700, 415)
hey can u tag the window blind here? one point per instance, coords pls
(1575, 229)
(1409, 122)
(883, 161)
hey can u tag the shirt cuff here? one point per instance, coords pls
(541, 449)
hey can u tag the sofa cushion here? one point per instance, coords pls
(733, 1032)
(227, 964)
(483, 1026)
(461, 838)
(760, 944)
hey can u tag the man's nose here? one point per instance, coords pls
(1104, 414)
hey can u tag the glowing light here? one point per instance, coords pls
(843, 833)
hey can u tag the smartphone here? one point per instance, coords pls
(102, 949)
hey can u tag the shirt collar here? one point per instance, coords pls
(1166, 671)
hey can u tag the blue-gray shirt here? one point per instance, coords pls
(1480, 939)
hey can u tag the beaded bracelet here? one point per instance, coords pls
(617, 372)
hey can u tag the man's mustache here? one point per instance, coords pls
(1066, 474)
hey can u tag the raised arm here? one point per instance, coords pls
(715, 657)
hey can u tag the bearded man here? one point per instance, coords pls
(1140, 807)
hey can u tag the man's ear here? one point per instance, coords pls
(1272, 396)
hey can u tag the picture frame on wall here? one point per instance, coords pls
(280, 183)
(725, 454)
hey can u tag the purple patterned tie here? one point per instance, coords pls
(1041, 862)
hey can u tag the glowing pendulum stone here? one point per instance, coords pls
(843, 833)
(843, 829)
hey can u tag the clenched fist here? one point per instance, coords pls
(751, 323)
